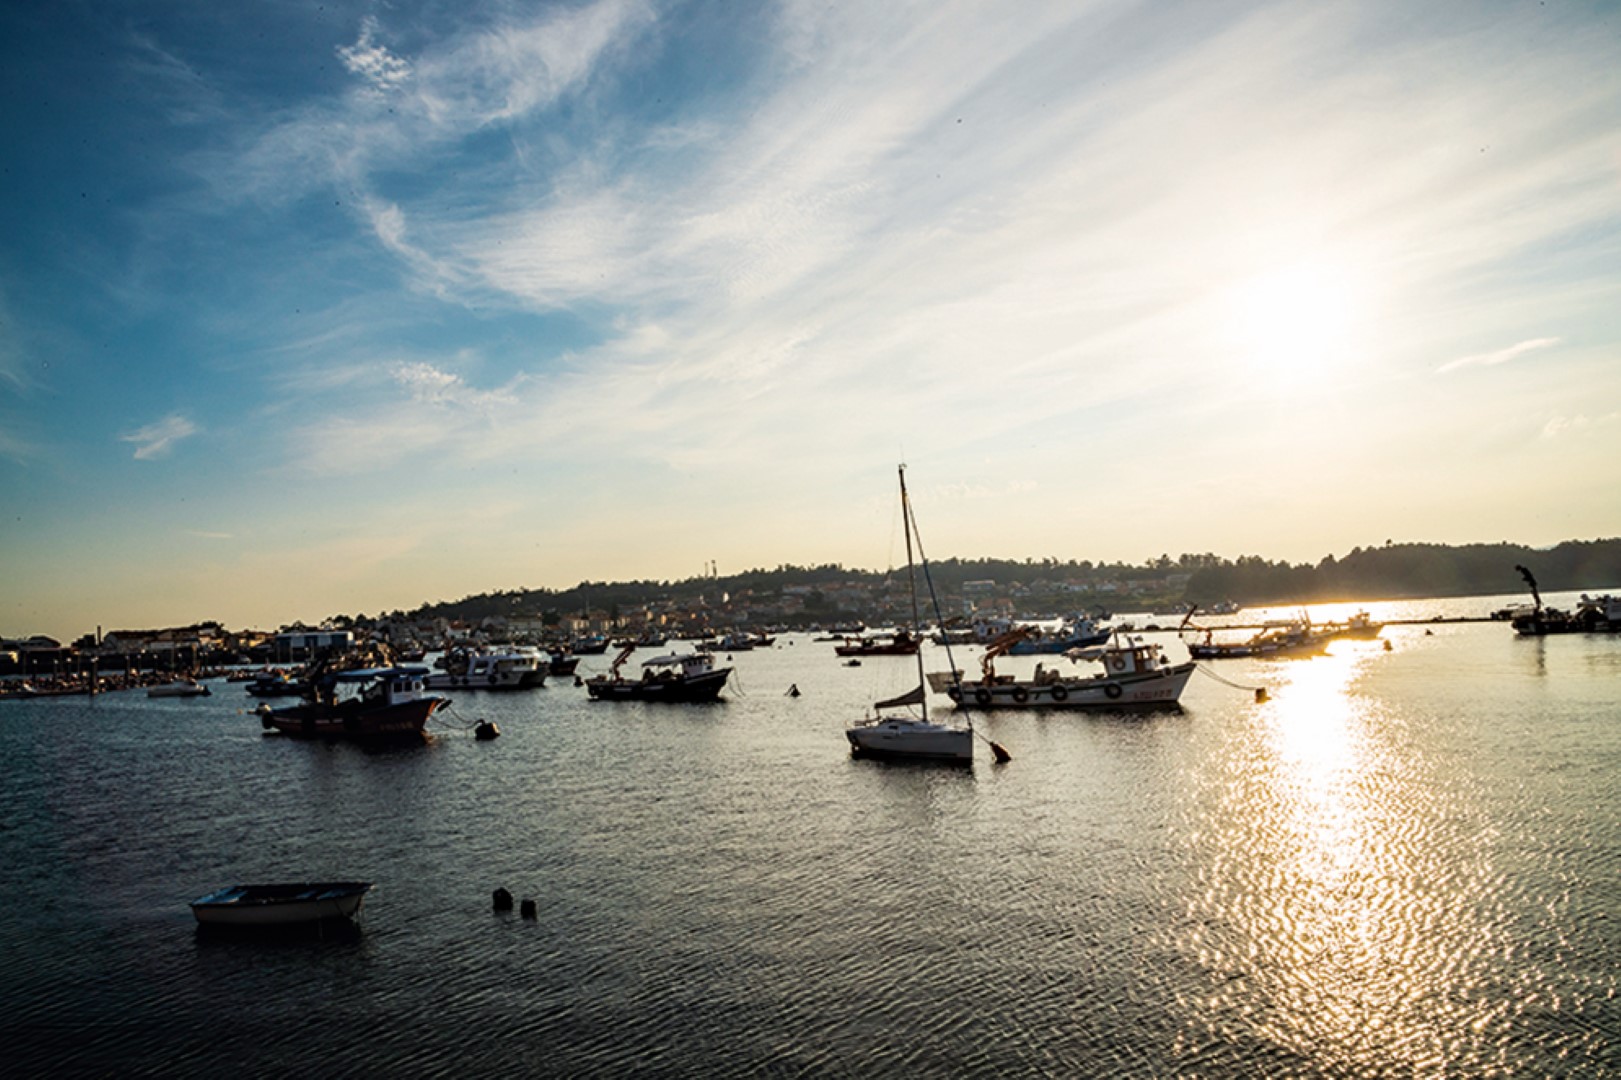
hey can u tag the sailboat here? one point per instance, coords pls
(907, 736)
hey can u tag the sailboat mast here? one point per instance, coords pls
(911, 580)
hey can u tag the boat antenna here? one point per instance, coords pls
(997, 750)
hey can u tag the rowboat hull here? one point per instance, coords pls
(280, 905)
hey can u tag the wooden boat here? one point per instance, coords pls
(908, 736)
(388, 703)
(281, 905)
(678, 677)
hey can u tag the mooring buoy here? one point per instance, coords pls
(503, 900)
(486, 731)
(528, 910)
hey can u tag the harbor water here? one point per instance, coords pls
(1406, 861)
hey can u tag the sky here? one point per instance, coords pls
(344, 307)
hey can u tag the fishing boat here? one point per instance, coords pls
(560, 664)
(1290, 637)
(281, 905)
(1136, 675)
(1079, 632)
(275, 684)
(182, 688)
(678, 677)
(912, 736)
(516, 667)
(363, 703)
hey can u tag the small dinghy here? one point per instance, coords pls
(281, 905)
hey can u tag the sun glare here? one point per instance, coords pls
(1296, 322)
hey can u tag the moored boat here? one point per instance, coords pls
(182, 688)
(900, 643)
(908, 736)
(1292, 637)
(388, 703)
(678, 677)
(517, 667)
(1136, 675)
(280, 904)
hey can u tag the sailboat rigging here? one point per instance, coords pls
(906, 736)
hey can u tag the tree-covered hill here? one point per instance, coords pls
(1391, 571)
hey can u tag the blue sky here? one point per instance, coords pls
(309, 308)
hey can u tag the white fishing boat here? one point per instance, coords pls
(182, 688)
(1136, 674)
(516, 667)
(281, 905)
(912, 736)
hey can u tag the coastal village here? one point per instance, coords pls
(139, 657)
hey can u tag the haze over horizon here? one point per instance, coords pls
(349, 306)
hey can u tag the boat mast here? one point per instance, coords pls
(911, 580)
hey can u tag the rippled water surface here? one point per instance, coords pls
(1405, 862)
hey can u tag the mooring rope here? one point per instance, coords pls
(465, 725)
(1229, 682)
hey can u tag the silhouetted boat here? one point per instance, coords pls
(183, 688)
(900, 643)
(389, 702)
(281, 905)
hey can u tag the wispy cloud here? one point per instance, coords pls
(374, 63)
(429, 384)
(1565, 426)
(202, 534)
(1501, 356)
(156, 440)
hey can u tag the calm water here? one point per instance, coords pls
(1406, 862)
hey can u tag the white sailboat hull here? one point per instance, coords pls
(893, 737)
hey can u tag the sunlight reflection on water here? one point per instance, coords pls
(1328, 905)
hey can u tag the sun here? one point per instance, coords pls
(1295, 322)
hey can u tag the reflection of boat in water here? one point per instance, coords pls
(690, 677)
(907, 736)
(388, 702)
(280, 905)
(518, 667)
(1136, 674)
